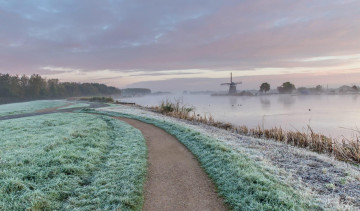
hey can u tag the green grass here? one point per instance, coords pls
(29, 107)
(71, 162)
(242, 183)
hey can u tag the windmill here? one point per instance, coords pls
(232, 88)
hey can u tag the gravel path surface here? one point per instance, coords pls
(333, 184)
(175, 180)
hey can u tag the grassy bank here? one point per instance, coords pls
(71, 162)
(240, 181)
(76, 105)
(29, 107)
(343, 149)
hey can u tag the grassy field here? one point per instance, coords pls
(77, 105)
(29, 107)
(240, 181)
(71, 162)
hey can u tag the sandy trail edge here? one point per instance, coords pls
(175, 180)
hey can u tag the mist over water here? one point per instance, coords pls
(331, 115)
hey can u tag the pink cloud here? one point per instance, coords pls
(177, 35)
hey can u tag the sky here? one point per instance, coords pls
(183, 44)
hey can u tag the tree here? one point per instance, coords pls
(37, 86)
(18, 88)
(53, 85)
(5, 85)
(265, 87)
(355, 88)
(319, 88)
(286, 87)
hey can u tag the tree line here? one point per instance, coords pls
(19, 88)
(287, 88)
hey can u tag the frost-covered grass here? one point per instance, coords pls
(71, 161)
(242, 183)
(76, 105)
(28, 107)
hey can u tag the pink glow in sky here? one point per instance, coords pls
(133, 42)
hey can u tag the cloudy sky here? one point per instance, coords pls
(128, 43)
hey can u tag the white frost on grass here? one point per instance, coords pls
(71, 161)
(289, 164)
(76, 105)
(29, 107)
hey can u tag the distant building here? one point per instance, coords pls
(232, 85)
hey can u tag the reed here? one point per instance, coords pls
(343, 149)
(175, 109)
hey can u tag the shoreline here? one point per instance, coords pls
(334, 116)
(342, 148)
(254, 95)
(336, 184)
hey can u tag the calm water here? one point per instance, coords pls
(332, 115)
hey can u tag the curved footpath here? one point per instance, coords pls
(175, 180)
(331, 184)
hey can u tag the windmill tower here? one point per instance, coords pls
(232, 85)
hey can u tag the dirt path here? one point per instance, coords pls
(175, 180)
(53, 108)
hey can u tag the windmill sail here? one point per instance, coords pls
(232, 85)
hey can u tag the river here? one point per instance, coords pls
(331, 115)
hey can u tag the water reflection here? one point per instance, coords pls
(355, 98)
(287, 100)
(265, 102)
(233, 101)
(328, 113)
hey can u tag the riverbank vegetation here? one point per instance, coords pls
(97, 99)
(344, 149)
(175, 109)
(289, 88)
(242, 183)
(24, 88)
(75, 162)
